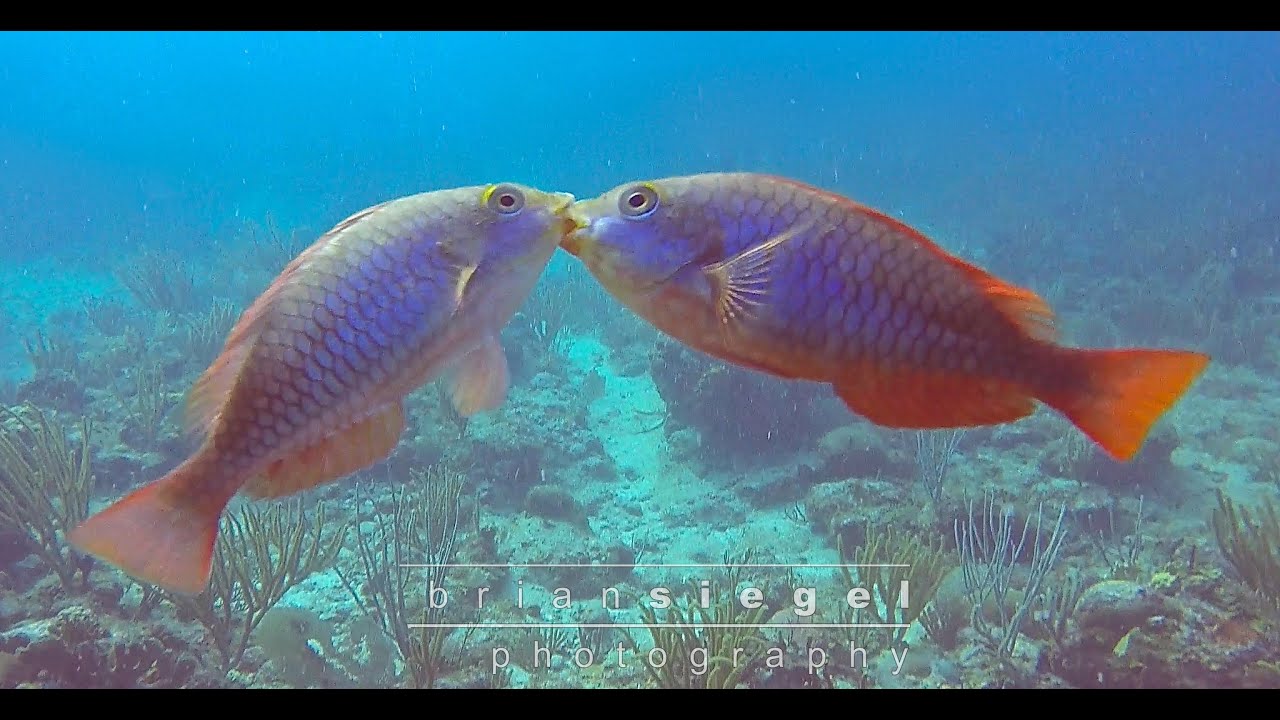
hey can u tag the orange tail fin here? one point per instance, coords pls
(162, 533)
(1124, 393)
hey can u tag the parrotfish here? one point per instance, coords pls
(310, 384)
(775, 275)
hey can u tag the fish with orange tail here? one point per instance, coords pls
(788, 279)
(310, 384)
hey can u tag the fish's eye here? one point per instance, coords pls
(505, 199)
(638, 201)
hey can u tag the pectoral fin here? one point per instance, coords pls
(740, 283)
(480, 381)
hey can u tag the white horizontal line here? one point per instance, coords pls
(789, 626)
(652, 565)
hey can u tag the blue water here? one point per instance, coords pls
(115, 129)
(1129, 177)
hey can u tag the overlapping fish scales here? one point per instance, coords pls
(788, 279)
(310, 384)
(348, 326)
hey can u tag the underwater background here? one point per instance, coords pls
(153, 184)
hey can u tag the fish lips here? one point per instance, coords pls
(575, 226)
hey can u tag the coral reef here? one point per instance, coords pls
(739, 415)
(622, 462)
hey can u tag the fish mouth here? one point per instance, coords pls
(574, 223)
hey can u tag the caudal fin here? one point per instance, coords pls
(162, 533)
(1124, 392)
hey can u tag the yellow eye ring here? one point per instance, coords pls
(637, 201)
(505, 199)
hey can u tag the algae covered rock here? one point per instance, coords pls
(741, 415)
(1116, 605)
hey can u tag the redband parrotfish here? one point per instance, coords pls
(791, 280)
(309, 386)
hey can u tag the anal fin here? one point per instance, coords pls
(919, 399)
(334, 457)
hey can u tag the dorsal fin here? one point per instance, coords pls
(1024, 308)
